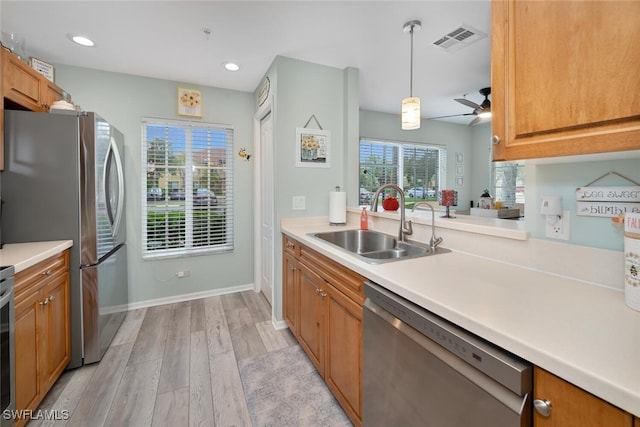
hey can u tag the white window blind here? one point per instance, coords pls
(188, 188)
(410, 166)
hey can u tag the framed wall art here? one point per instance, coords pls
(313, 148)
(189, 102)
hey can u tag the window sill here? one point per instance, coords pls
(505, 228)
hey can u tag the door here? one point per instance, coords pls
(104, 302)
(266, 208)
(312, 323)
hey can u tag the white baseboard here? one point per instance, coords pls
(189, 297)
(278, 324)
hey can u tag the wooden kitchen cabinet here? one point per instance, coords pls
(323, 301)
(312, 316)
(290, 285)
(572, 406)
(42, 329)
(22, 87)
(25, 87)
(564, 78)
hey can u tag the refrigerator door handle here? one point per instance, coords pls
(104, 257)
(114, 156)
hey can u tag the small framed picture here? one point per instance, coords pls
(459, 157)
(459, 181)
(313, 148)
(459, 169)
(43, 68)
(189, 102)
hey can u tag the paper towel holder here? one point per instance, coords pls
(337, 223)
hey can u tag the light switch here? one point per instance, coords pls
(298, 203)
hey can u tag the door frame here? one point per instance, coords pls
(262, 112)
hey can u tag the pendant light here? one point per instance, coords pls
(411, 105)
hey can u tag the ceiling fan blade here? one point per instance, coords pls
(453, 115)
(468, 103)
(479, 120)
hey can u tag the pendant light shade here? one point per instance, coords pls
(411, 105)
(411, 113)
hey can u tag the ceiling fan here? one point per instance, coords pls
(481, 111)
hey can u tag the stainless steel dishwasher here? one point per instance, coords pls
(421, 370)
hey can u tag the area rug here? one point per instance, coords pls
(283, 388)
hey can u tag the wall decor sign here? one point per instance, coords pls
(189, 102)
(43, 68)
(608, 201)
(313, 148)
(263, 92)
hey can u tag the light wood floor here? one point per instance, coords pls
(171, 365)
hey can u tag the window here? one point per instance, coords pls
(508, 181)
(187, 198)
(418, 169)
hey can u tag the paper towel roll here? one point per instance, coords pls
(337, 207)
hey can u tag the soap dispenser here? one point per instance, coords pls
(364, 220)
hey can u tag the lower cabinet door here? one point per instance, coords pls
(311, 326)
(343, 367)
(57, 340)
(290, 291)
(573, 407)
(28, 351)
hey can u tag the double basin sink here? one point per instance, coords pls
(375, 247)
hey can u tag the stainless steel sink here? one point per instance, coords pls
(374, 247)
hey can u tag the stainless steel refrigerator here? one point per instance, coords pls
(64, 180)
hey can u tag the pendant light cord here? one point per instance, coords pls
(411, 70)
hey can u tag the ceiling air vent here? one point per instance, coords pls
(459, 38)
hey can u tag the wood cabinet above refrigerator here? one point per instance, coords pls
(564, 78)
(23, 88)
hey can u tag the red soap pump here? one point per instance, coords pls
(364, 220)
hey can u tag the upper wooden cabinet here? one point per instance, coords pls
(564, 78)
(26, 87)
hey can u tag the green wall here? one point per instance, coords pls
(302, 89)
(123, 100)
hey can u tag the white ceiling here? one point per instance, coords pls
(165, 39)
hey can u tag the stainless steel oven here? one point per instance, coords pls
(421, 370)
(7, 347)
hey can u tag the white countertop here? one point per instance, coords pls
(578, 331)
(24, 255)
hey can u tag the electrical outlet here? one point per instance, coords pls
(558, 228)
(185, 273)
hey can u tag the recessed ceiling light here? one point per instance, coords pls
(231, 66)
(81, 40)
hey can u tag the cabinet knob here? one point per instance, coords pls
(543, 407)
(51, 298)
(47, 273)
(290, 244)
(495, 139)
(45, 302)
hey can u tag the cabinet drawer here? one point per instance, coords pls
(29, 279)
(290, 246)
(346, 281)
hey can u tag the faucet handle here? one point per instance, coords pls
(407, 228)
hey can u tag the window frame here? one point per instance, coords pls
(211, 211)
(402, 146)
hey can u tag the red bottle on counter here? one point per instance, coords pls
(364, 220)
